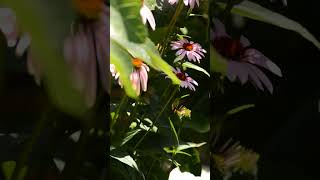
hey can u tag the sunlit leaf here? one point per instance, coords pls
(130, 17)
(195, 67)
(189, 145)
(129, 136)
(122, 60)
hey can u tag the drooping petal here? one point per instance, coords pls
(80, 56)
(256, 57)
(147, 15)
(264, 79)
(254, 77)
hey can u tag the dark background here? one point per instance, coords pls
(283, 127)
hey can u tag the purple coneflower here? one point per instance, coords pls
(191, 3)
(186, 80)
(192, 50)
(85, 49)
(243, 59)
(138, 77)
(147, 15)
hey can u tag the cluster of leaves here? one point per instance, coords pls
(150, 134)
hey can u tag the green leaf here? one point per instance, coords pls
(129, 136)
(121, 59)
(174, 131)
(40, 19)
(125, 158)
(195, 67)
(239, 109)
(189, 145)
(218, 63)
(124, 45)
(130, 18)
(8, 168)
(255, 11)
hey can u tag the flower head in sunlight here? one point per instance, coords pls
(192, 50)
(138, 76)
(86, 49)
(90, 9)
(190, 3)
(147, 15)
(186, 80)
(243, 60)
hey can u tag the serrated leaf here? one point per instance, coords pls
(255, 11)
(195, 67)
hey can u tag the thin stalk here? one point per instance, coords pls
(18, 170)
(158, 117)
(148, 173)
(228, 9)
(116, 115)
(171, 25)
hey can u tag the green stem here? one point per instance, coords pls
(117, 113)
(19, 169)
(171, 26)
(158, 117)
(228, 9)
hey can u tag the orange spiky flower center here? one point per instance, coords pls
(89, 9)
(188, 46)
(137, 63)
